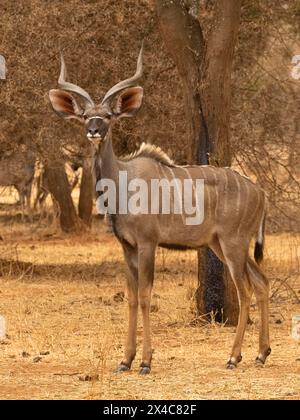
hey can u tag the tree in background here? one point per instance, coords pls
(59, 187)
(205, 67)
(265, 96)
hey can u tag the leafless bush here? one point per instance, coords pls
(100, 42)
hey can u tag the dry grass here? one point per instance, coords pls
(58, 296)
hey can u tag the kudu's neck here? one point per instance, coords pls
(108, 167)
(107, 160)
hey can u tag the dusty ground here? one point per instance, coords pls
(66, 324)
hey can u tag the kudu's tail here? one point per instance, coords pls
(260, 241)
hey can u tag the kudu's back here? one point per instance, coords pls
(231, 206)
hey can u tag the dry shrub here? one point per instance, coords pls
(101, 41)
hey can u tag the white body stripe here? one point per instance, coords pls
(225, 193)
(216, 191)
(245, 205)
(238, 202)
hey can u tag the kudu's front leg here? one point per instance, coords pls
(146, 256)
(131, 257)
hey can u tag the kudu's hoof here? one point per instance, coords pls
(231, 366)
(122, 367)
(233, 362)
(261, 358)
(259, 362)
(144, 369)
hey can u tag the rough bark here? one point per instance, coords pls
(85, 205)
(183, 37)
(205, 68)
(216, 81)
(60, 190)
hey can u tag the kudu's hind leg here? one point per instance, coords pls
(236, 261)
(131, 258)
(146, 256)
(261, 290)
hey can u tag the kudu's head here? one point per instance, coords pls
(122, 100)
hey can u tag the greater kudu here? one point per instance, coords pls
(234, 209)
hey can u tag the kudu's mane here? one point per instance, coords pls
(150, 151)
(154, 152)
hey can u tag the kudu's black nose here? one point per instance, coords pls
(93, 131)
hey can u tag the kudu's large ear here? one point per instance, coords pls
(129, 102)
(65, 105)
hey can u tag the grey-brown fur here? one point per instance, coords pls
(150, 151)
(234, 210)
(234, 213)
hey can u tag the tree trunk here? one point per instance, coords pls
(205, 70)
(85, 205)
(216, 106)
(59, 188)
(182, 35)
